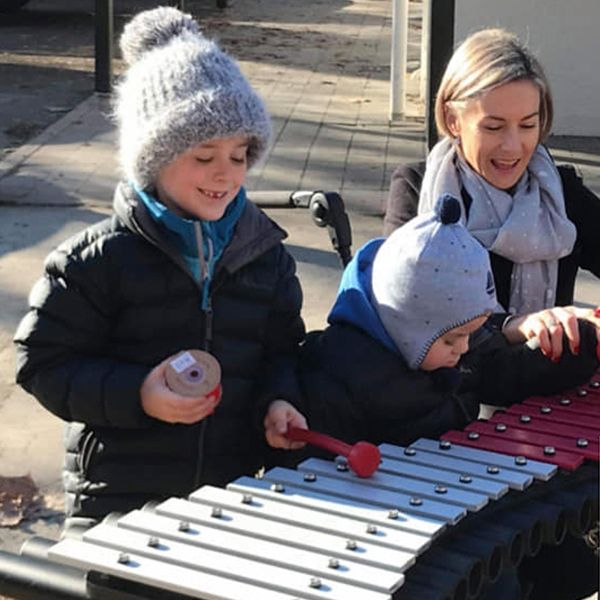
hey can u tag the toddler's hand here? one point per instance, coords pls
(280, 416)
(160, 402)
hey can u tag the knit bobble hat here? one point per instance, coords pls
(180, 90)
(431, 276)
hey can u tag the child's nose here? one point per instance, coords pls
(462, 345)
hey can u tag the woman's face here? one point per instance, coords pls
(499, 131)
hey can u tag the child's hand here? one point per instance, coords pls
(280, 416)
(160, 402)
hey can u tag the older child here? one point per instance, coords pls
(185, 261)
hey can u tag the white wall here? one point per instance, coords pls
(565, 36)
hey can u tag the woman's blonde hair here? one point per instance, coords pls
(485, 60)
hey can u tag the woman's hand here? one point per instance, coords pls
(549, 326)
(280, 416)
(160, 402)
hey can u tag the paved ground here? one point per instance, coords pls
(323, 68)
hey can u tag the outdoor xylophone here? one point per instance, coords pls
(438, 519)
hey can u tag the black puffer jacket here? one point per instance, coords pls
(116, 300)
(582, 206)
(357, 389)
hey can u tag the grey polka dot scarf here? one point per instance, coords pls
(528, 227)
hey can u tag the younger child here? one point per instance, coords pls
(392, 366)
(185, 261)
(388, 367)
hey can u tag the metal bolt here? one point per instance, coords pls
(440, 489)
(342, 466)
(493, 470)
(333, 563)
(465, 478)
(545, 410)
(520, 460)
(445, 445)
(216, 512)
(247, 499)
(315, 582)
(595, 385)
(564, 401)
(184, 526)
(549, 450)
(153, 541)
(351, 545)
(582, 393)
(393, 513)
(371, 528)
(582, 443)
(278, 487)
(525, 419)
(311, 477)
(409, 451)
(473, 435)
(414, 501)
(123, 558)
(500, 427)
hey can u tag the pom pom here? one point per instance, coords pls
(153, 28)
(448, 209)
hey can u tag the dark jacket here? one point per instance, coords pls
(582, 206)
(357, 386)
(117, 299)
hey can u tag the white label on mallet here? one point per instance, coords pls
(182, 362)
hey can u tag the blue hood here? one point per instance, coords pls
(354, 304)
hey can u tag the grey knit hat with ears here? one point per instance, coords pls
(431, 276)
(180, 90)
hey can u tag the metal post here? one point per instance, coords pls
(425, 40)
(441, 42)
(398, 57)
(104, 24)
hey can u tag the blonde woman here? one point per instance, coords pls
(538, 221)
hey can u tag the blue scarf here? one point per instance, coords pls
(189, 234)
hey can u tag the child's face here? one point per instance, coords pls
(447, 350)
(204, 180)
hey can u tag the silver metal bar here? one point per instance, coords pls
(493, 489)
(355, 491)
(159, 574)
(424, 489)
(538, 470)
(301, 537)
(222, 563)
(368, 513)
(422, 456)
(312, 562)
(312, 518)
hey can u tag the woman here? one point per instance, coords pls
(539, 222)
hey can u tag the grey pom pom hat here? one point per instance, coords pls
(431, 276)
(180, 90)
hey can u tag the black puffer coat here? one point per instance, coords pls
(581, 204)
(357, 389)
(116, 300)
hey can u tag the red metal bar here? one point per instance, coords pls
(588, 449)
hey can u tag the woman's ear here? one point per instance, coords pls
(452, 120)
